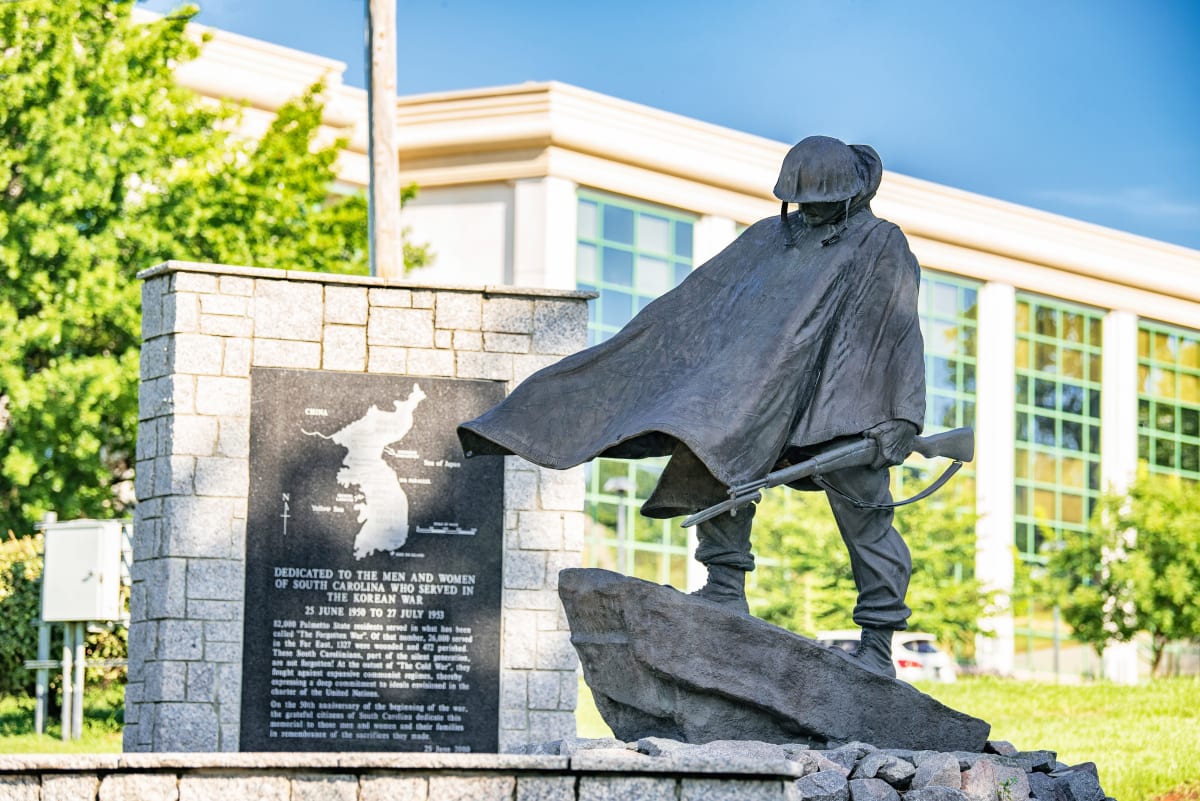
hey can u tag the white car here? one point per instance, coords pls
(915, 655)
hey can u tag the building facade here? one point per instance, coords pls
(1073, 349)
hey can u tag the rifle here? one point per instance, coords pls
(957, 444)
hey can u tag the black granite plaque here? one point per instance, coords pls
(373, 566)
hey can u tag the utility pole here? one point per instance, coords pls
(383, 207)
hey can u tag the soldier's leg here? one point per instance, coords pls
(879, 558)
(724, 548)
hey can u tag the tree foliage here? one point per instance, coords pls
(1138, 570)
(107, 167)
(804, 582)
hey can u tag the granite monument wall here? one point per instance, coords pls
(205, 327)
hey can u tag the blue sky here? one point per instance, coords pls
(1088, 108)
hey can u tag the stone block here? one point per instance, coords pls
(139, 787)
(479, 364)
(223, 651)
(143, 478)
(937, 770)
(222, 477)
(543, 690)
(555, 651)
(405, 328)
(344, 348)
(545, 788)
(730, 789)
(220, 326)
(235, 285)
(508, 315)
(443, 339)
(872, 790)
(284, 353)
(568, 690)
(422, 298)
(223, 396)
(154, 359)
(202, 527)
(514, 720)
(346, 305)
(180, 312)
(519, 649)
(69, 786)
(237, 357)
(200, 681)
(395, 298)
(194, 282)
(1012, 783)
(393, 788)
(165, 681)
(520, 489)
(1078, 783)
(214, 610)
(192, 435)
(225, 305)
(288, 310)
(472, 788)
(540, 600)
(233, 437)
(222, 631)
(573, 525)
(422, 361)
(458, 310)
(541, 530)
(325, 787)
(173, 475)
(506, 343)
(467, 340)
(152, 319)
(180, 640)
(559, 327)
(196, 354)
(524, 570)
(935, 792)
(201, 787)
(158, 397)
(166, 588)
(513, 689)
(562, 490)
(827, 785)
(382, 359)
(215, 579)
(147, 441)
(627, 788)
(186, 727)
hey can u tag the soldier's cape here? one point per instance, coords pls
(763, 349)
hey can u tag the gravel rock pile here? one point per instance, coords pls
(862, 772)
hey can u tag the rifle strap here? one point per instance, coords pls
(946, 475)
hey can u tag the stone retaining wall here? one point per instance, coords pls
(376, 777)
(204, 327)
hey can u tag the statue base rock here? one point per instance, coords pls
(661, 663)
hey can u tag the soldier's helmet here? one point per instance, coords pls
(820, 169)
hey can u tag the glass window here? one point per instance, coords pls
(1169, 399)
(1058, 405)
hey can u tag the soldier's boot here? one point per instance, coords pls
(874, 651)
(726, 586)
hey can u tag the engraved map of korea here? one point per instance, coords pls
(366, 467)
(382, 505)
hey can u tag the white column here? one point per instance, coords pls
(995, 478)
(1118, 449)
(544, 232)
(710, 235)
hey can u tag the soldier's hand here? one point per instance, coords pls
(894, 439)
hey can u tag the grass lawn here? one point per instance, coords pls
(1145, 740)
(103, 713)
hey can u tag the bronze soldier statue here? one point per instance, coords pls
(801, 335)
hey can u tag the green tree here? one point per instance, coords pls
(804, 582)
(1138, 570)
(107, 166)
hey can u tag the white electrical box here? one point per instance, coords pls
(81, 576)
